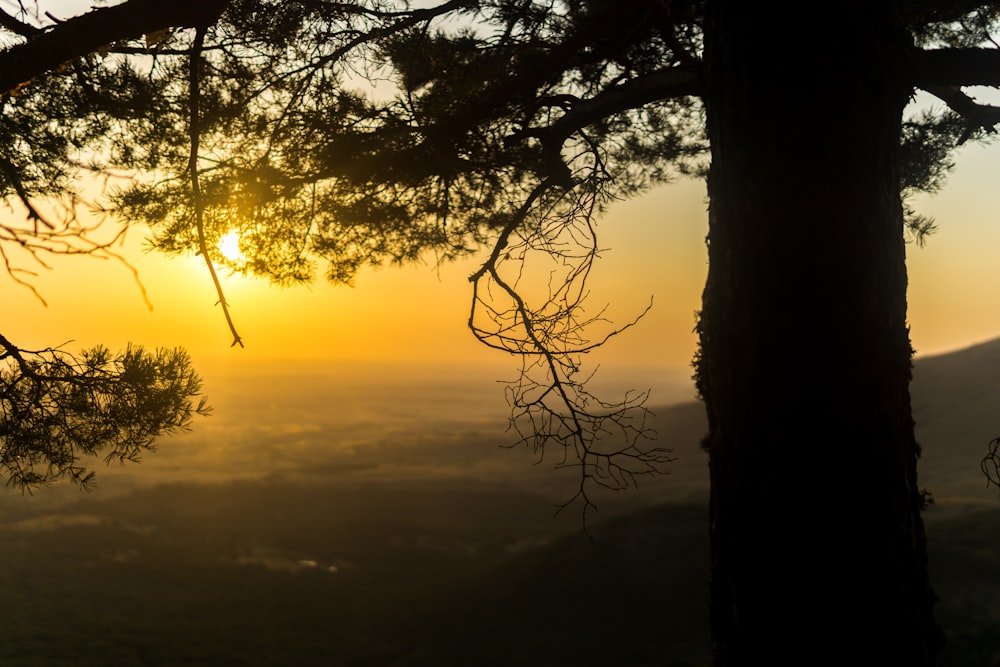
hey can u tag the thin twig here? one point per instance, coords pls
(199, 205)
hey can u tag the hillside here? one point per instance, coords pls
(956, 404)
(310, 538)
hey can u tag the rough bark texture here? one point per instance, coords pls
(818, 549)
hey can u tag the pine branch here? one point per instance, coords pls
(977, 116)
(88, 32)
(678, 81)
(955, 67)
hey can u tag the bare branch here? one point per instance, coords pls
(17, 26)
(991, 463)
(604, 442)
(63, 233)
(199, 205)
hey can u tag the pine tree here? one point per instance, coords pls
(509, 124)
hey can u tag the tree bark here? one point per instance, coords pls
(818, 548)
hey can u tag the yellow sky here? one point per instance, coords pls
(418, 313)
(656, 249)
(954, 295)
(394, 314)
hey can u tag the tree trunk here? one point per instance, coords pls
(818, 548)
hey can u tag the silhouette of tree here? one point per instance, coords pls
(59, 408)
(355, 133)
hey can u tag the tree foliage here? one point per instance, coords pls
(329, 136)
(56, 408)
(335, 135)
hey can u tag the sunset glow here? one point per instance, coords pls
(229, 246)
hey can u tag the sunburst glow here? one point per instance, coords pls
(229, 246)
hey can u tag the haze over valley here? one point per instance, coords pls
(342, 517)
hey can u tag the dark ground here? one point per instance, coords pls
(298, 538)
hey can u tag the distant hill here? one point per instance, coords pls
(956, 406)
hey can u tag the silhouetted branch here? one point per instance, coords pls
(991, 463)
(678, 81)
(65, 236)
(340, 9)
(304, 165)
(57, 409)
(605, 442)
(17, 26)
(89, 32)
(199, 206)
(955, 67)
(977, 116)
(12, 177)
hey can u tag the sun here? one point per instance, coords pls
(229, 246)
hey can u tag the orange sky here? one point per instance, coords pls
(418, 313)
(393, 314)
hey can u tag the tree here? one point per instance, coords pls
(509, 124)
(823, 272)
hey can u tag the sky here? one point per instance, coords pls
(393, 315)
(416, 315)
